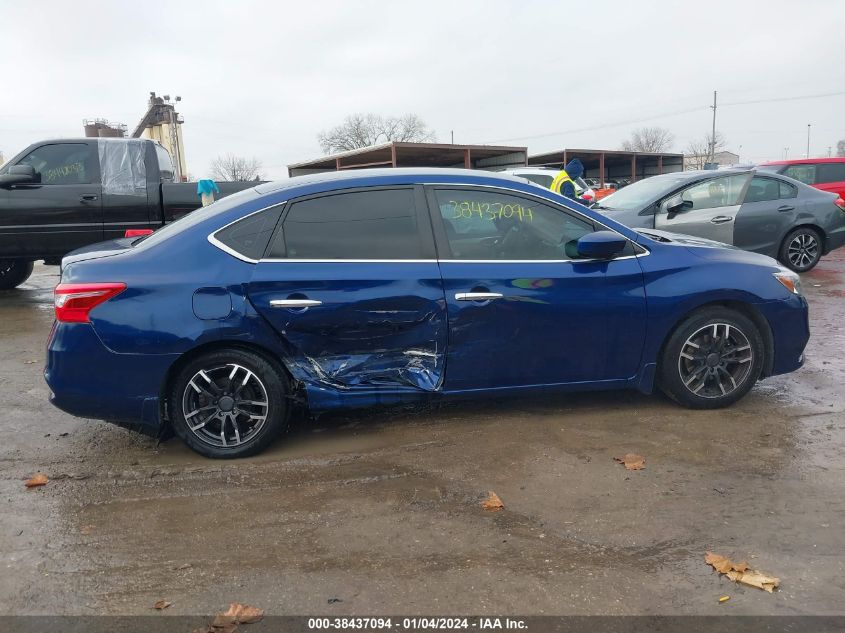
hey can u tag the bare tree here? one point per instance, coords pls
(649, 139)
(840, 149)
(364, 130)
(235, 168)
(698, 153)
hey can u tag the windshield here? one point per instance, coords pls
(639, 194)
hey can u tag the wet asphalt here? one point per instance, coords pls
(379, 512)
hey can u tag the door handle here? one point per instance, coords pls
(295, 303)
(721, 219)
(478, 296)
(88, 197)
(785, 208)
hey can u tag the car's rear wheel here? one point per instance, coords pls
(712, 359)
(229, 403)
(801, 249)
(13, 272)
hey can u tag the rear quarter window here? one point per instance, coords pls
(249, 236)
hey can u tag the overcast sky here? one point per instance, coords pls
(263, 79)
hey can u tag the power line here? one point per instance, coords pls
(661, 116)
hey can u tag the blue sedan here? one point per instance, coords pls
(403, 285)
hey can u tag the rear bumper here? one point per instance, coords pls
(789, 321)
(88, 380)
(835, 239)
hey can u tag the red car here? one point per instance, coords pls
(827, 174)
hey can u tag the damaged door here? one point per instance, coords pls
(351, 283)
(524, 308)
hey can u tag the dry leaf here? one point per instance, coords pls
(239, 614)
(87, 529)
(755, 579)
(720, 563)
(741, 566)
(739, 572)
(631, 461)
(724, 598)
(38, 479)
(492, 502)
(161, 604)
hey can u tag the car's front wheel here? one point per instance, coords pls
(229, 403)
(712, 359)
(801, 249)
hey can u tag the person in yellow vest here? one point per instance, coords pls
(564, 182)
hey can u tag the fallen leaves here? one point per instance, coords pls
(631, 461)
(161, 605)
(740, 572)
(38, 479)
(237, 614)
(492, 502)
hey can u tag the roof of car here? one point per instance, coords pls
(411, 174)
(806, 161)
(701, 173)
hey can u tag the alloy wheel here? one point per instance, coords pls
(225, 406)
(715, 360)
(802, 250)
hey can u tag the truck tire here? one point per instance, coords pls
(13, 272)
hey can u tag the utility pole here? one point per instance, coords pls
(829, 148)
(713, 133)
(785, 152)
(453, 137)
(808, 140)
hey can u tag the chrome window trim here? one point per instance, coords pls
(446, 261)
(284, 260)
(280, 260)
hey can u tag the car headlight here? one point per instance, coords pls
(790, 280)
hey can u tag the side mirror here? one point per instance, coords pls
(676, 204)
(19, 175)
(601, 245)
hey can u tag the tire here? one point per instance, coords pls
(694, 377)
(228, 387)
(13, 272)
(801, 249)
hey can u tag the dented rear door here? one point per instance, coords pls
(351, 284)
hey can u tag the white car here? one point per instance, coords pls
(544, 176)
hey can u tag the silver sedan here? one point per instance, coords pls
(756, 211)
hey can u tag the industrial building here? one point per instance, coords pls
(397, 154)
(160, 123)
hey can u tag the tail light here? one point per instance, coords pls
(137, 232)
(587, 196)
(839, 202)
(73, 302)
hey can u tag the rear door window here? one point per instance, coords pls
(379, 224)
(763, 189)
(830, 172)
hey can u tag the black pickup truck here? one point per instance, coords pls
(60, 195)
